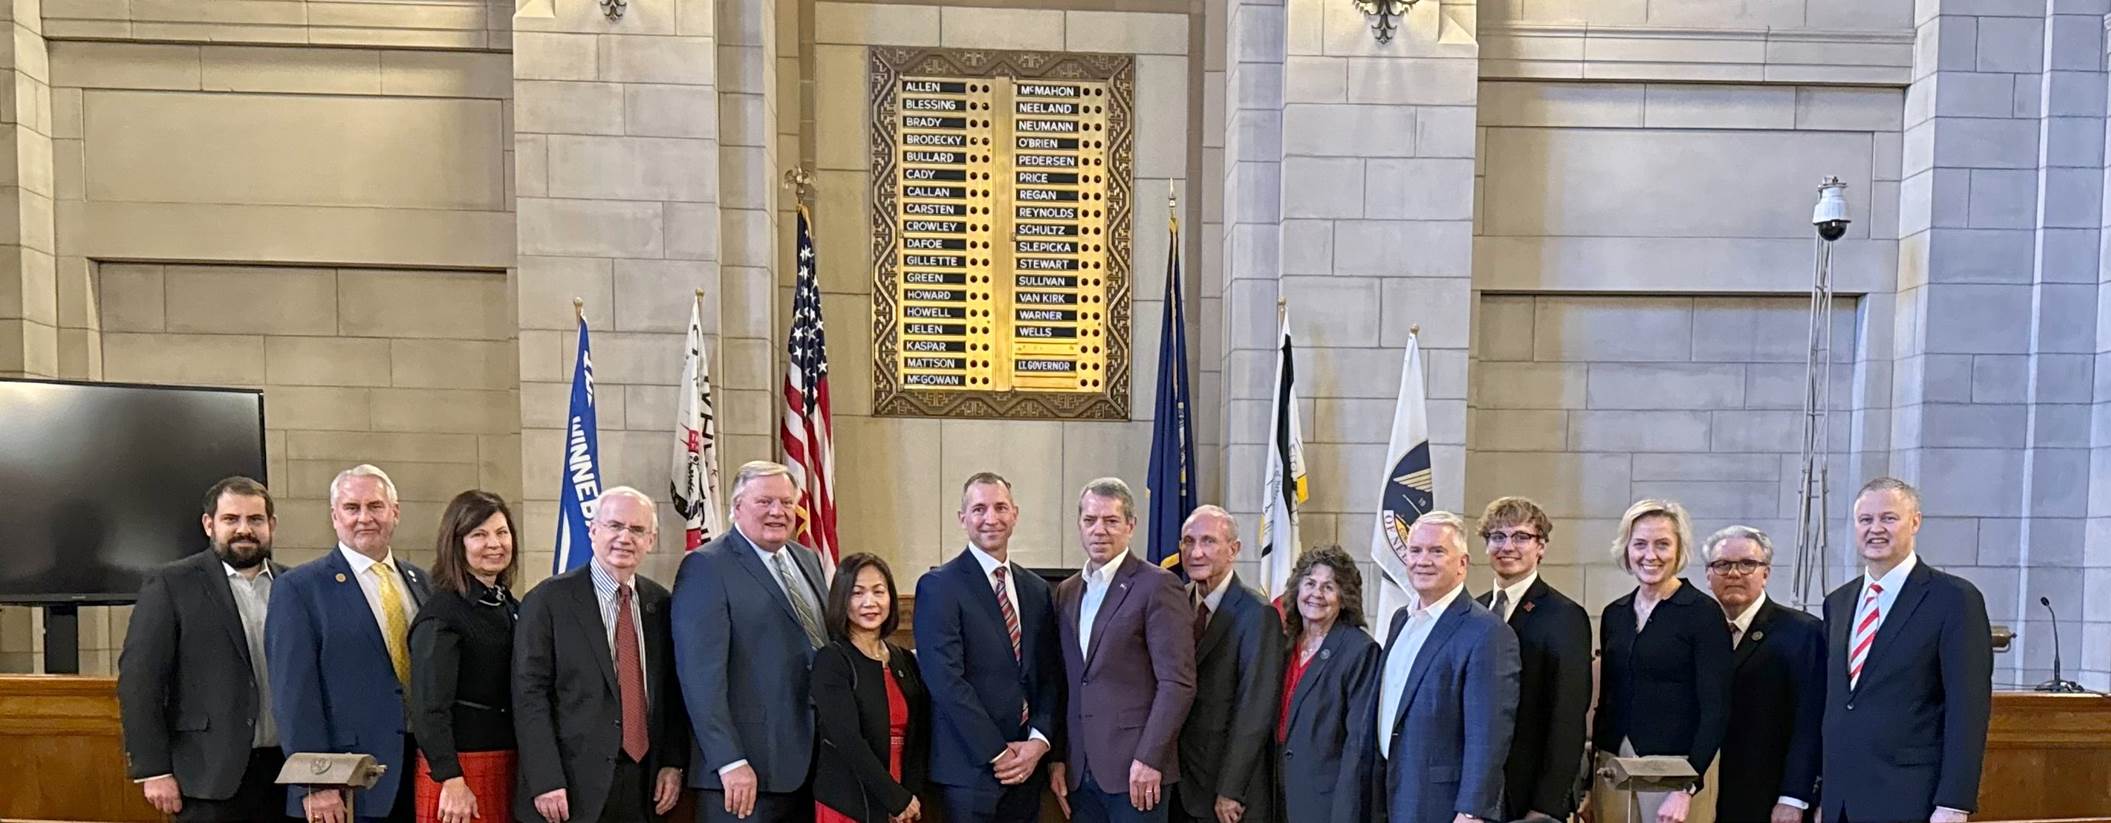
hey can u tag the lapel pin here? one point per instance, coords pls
(1758, 635)
(340, 577)
(1528, 607)
(1325, 653)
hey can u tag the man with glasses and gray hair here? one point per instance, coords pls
(747, 619)
(1768, 770)
(1554, 643)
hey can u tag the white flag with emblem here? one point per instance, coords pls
(1409, 487)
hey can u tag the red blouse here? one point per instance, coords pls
(1295, 672)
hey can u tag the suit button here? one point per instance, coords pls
(1850, 707)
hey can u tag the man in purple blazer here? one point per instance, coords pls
(1129, 658)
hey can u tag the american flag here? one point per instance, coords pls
(809, 431)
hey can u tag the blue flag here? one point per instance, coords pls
(1171, 484)
(582, 466)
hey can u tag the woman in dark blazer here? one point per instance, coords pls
(1664, 666)
(1331, 659)
(871, 711)
(461, 650)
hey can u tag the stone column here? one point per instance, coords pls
(617, 172)
(750, 231)
(1996, 311)
(29, 303)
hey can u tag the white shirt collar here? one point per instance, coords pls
(1517, 590)
(1892, 580)
(1743, 622)
(234, 572)
(1437, 607)
(1105, 574)
(766, 555)
(1216, 595)
(360, 562)
(988, 562)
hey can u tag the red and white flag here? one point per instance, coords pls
(809, 432)
(693, 470)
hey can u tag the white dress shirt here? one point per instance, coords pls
(1011, 591)
(1400, 661)
(1743, 622)
(1513, 593)
(1215, 595)
(605, 584)
(1096, 583)
(360, 563)
(252, 601)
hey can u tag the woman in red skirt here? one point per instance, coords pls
(462, 667)
(871, 711)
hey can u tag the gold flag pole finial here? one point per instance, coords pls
(1172, 205)
(1282, 306)
(699, 294)
(1414, 329)
(801, 182)
(578, 308)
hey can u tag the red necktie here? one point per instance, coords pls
(630, 679)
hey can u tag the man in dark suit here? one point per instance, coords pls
(747, 619)
(1909, 665)
(191, 683)
(1224, 757)
(596, 707)
(1768, 769)
(337, 643)
(1129, 657)
(986, 645)
(1554, 648)
(1446, 702)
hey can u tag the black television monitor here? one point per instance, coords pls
(101, 482)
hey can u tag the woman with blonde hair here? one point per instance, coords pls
(1663, 671)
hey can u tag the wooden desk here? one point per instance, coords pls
(62, 752)
(2047, 756)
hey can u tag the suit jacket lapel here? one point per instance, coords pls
(1213, 634)
(217, 587)
(1117, 591)
(351, 595)
(1909, 597)
(1755, 633)
(808, 563)
(589, 602)
(649, 605)
(1447, 625)
(744, 555)
(1320, 662)
(415, 582)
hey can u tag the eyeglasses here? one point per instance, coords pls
(1737, 568)
(636, 532)
(1507, 538)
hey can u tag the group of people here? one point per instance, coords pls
(774, 691)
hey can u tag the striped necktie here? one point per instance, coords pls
(1864, 635)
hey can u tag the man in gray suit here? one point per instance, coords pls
(1447, 693)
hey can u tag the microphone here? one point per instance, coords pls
(2057, 684)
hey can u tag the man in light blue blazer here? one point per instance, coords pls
(1446, 701)
(747, 618)
(337, 643)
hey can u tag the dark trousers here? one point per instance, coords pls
(405, 809)
(1092, 803)
(626, 793)
(259, 797)
(770, 807)
(995, 804)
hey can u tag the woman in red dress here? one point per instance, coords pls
(871, 711)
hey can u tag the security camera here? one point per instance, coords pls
(1830, 216)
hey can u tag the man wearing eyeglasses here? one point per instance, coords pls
(1769, 765)
(1554, 642)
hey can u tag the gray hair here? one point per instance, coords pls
(754, 470)
(388, 487)
(1712, 550)
(1231, 524)
(1892, 484)
(651, 509)
(1440, 517)
(1111, 488)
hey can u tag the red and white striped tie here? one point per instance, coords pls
(1864, 635)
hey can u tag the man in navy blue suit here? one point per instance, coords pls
(1768, 769)
(1909, 676)
(986, 643)
(747, 618)
(337, 643)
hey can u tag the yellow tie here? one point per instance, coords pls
(396, 625)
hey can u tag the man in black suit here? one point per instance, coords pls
(747, 619)
(192, 688)
(1554, 644)
(1909, 676)
(1225, 763)
(596, 707)
(996, 696)
(1768, 770)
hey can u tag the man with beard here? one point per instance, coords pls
(192, 687)
(339, 643)
(986, 641)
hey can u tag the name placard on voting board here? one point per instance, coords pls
(1001, 233)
